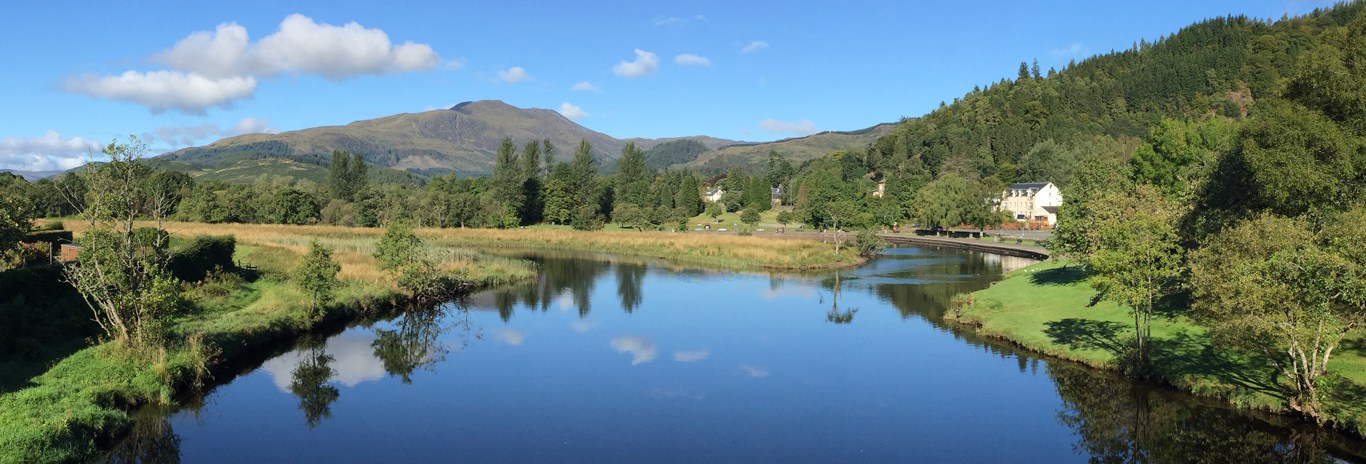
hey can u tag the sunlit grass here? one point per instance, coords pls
(1051, 310)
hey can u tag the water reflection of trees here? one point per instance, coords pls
(151, 439)
(559, 274)
(629, 277)
(947, 273)
(1121, 421)
(577, 276)
(309, 382)
(415, 341)
(836, 315)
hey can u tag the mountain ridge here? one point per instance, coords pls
(463, 140)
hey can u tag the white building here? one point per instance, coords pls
(1032, 202)
(714, 194)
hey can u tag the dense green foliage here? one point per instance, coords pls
(317, 275)
(203, 254)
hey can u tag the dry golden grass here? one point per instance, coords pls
(353, 246)
(713, 249)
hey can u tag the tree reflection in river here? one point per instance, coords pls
(415, 342)
(151, 439)
(559, 273)
(629, 276)
(309, 382)
(1124, 422)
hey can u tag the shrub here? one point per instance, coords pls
(869, 243)
(204, 253)
(750, 216)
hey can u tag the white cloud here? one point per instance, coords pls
(165, 90)
(572, 112)
(679, 21)
(1076, 50)
(214, 69)
(221, 53)
(48, 152)
(300, 45)
(511, 337)
(513, 75)
(754, 371)
(644, 65)
(642, 350)
(253, 126)
(184, 136)
(454, 64)
(580, 326)
(691, 356)
(754, 46)
(803, 127)
(688, 59)
(585, 86)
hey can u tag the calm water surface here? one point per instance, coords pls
(608, 359)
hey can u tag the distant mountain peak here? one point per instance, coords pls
(461, 140)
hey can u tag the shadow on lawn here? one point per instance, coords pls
(1087, 334)
(1058, 276)
(1176, 356)
(1183, 354)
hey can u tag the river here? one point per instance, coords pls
(612, 359)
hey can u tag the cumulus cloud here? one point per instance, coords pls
(642, 350)
(572, 112)
(688, 59)
(803, 127)
(184, 136)
(513, 75)
(48, 152)
(511, 337)
(215, 68)
(585, 86)
(1076, 50)
(677, 20)
(644, 65)
(300, 45)
(691, 356)
(165, 90)
(754, 46)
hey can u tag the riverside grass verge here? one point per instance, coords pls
(353, 246)
(1051, 308)
(80, 405)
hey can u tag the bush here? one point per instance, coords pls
(750, 216)
(869, 243)
(55, 237)
(53, 225)
(204, 253)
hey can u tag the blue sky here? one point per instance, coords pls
(80, 74)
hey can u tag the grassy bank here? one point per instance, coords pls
(714, 250)
(1050, 308)
(81, 404)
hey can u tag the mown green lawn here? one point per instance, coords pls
(1051, 308)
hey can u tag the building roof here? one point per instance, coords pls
(1029, 185)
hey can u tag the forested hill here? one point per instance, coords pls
(1027, 128)
(463, 140)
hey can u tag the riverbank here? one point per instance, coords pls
(81, 404)
(729, 252)
(1050, 308)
